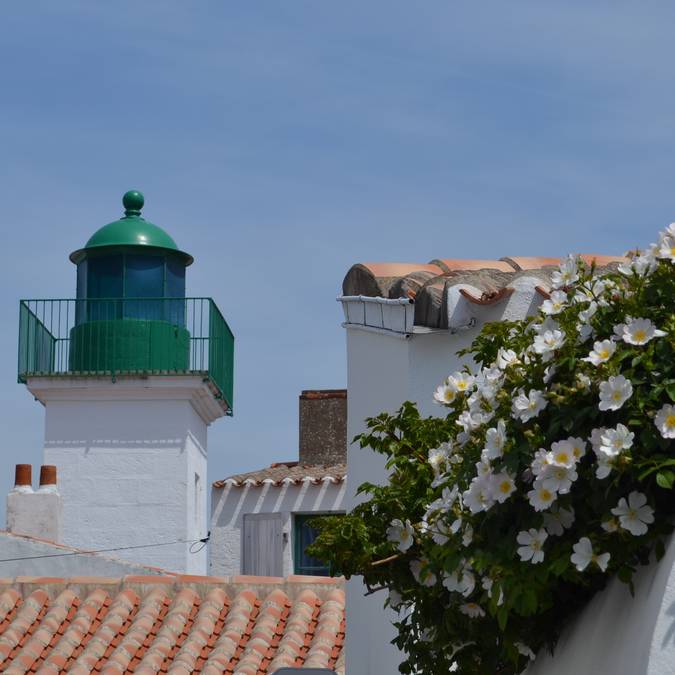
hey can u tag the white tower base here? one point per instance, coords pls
(131, 461)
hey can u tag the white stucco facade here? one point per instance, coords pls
(231, 503)
(389, 362)
(131, 461)
(620, 634)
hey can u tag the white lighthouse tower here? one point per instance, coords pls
(131, 373)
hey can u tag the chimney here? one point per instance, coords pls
(323, 427)
(35, 514)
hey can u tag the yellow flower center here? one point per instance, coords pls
(603, 353)
(562, 458)
(536, 545)
(545, 495)
(670, 421)
(505, 486)
(640, 335)
(616, 395)
(449, 395)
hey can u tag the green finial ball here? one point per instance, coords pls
(133, 202)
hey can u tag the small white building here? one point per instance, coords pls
(260, 521)
(405, 324)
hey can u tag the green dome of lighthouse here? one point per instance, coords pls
(130, 230)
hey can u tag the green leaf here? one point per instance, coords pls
(665, 479)
(670, 388)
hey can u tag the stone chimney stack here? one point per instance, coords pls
(36, 514)
(323, 427)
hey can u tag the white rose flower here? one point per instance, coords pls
(555, 304)
(614, 441)
(562, 454)
(421, 572)
(540, 497)
(602, 352)
(462, 382)
(611, 525)
(666, 248)
(525, 407)
(557, 479)
(614, 392)
(605, 465)
(549, 341)
(557, 520)
(587, 314)
(401, 534)
(438, 457)
(665, 421)
(472, 610)
(540, 461)
(395, 600)
(640, 331)
(596, 438)
(445, 394)
(583, 555)
(531, 545)
(503, 486)
(479, 495)
(506, 358)
(495, 440)
(635, 514)
(461, 581)
(567, 273)
(578, 447)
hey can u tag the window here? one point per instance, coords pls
(144, 279)
(304, 535)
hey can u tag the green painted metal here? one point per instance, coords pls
(129, 345)
(123, 336)
(132, 230)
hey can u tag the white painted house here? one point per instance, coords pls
(404, 325)
(130, 373)
(260, 521)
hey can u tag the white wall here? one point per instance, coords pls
(27, 557)
(620, 634)
(230, 503)
(127, 454)
(384, 370)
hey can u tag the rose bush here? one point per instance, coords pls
(551, 472)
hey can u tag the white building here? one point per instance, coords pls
(131, 373)
(404, 325)
(260, 521)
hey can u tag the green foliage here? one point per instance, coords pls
(448, 534)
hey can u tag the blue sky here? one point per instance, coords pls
(281, 142)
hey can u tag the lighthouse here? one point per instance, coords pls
(131, 372)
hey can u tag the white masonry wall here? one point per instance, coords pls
(388, 362)
(131, 462)
(229, 504)
(620, 634)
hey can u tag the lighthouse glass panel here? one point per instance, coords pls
(145, 281)
(175, 290)
(104, 282)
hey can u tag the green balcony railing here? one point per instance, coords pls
(127, 336)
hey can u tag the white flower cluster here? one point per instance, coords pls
(485, 416)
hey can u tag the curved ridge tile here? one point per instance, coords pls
(10, 600)
(64, 605)
(30, 611)
(297, 634)
(233, 636)
(175, 623)
(82, 626)
(211, 611)
(266, 633)
(328, 631)
(376, 279)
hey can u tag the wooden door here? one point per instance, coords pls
(263, 545)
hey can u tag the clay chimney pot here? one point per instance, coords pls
(47, 474)
(23, 475)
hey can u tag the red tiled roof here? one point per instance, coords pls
(290, 472)
(178, 625)
(480, 282)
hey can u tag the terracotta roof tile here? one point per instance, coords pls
(439, 288)
(292, 472)
(176, 625)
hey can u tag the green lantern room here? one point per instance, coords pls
(130, 315)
